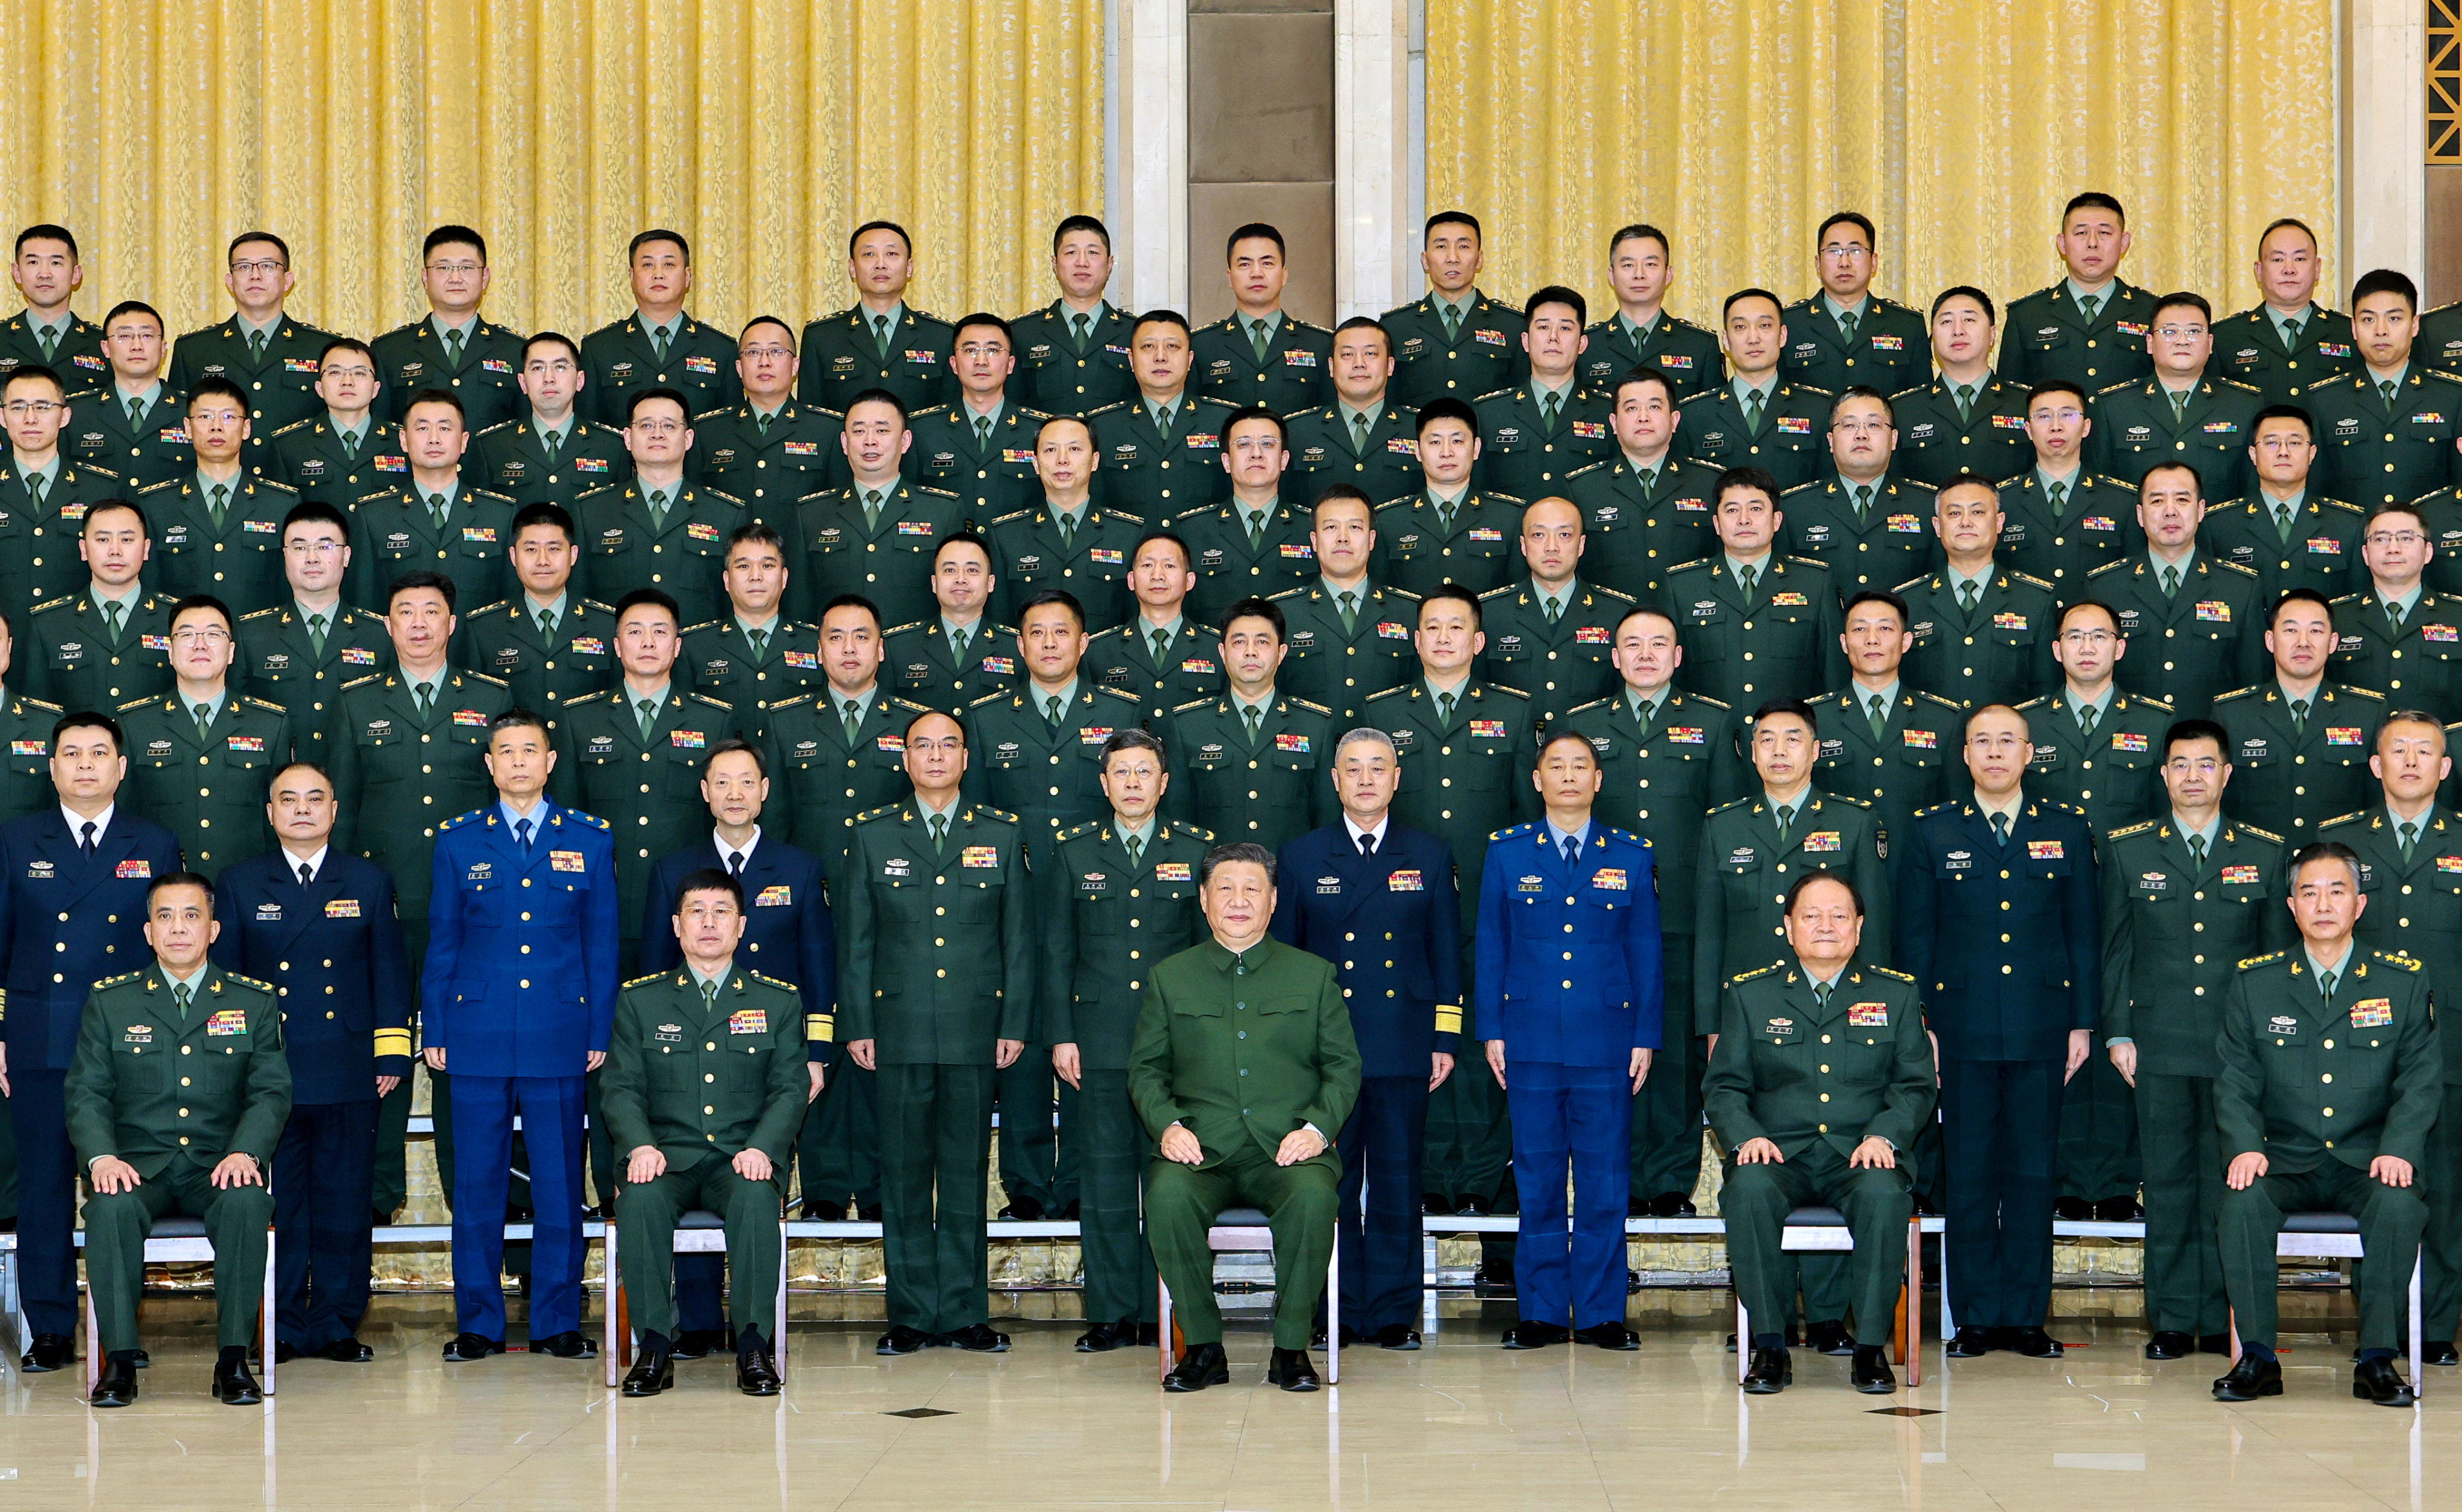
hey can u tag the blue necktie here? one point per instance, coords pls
(522, 833)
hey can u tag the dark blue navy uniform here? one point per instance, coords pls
(2002, 941)
(331, 948)
(1390, 922)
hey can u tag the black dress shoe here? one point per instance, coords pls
(379, 1217)
(1828, 1336)
(2117, 1210)
(1970, 1343)
(1149, 1335)
(1397, 1336)
(1607, 1336)
(571, 1345)
(2438, 1351)
(1770, 1374)
(285, 1354)
(1672, 1204)
(652, 1372)
(1871, 1372)
(50, 1351)
(1529, 1335)
(1636, 1207)
(2072, 1210)
(2169, 1344)
(1200, 1365)
(815, 1210)
(1924, 1207)
(977, 1338)
(1471, 1204)
(1076, 1211)
(234, 1386)
(2378, 1381)
(698, 1344)
(1102, 1338)
(870, 1214)
(1024, 1208)
(2035, 1344)
(471, 1346)
(2248, 1380)
(1293, 1371)
(902, 1340)
(2214, 1344)
(345, 1350)
(118, 1387)
(756, 1374)
(1432, 1203)
(144, 1361)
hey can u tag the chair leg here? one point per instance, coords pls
(1162, 1327)
(611, 1324)
(778, 1338)
(1743, 1340)
(1334, 1313)
(266, 1310)
(2416, 1377)
(1910, 1342)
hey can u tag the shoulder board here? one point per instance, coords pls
(2032, 581)
(491, 681)
(259, 614)
(302, 425)
(44, 704)
(2400, 962)
(1910, 392)
(1088, 828)
(2364, 693)
(483, 430)
(596, 695)
(1108, 409)
(698, 698)
(1813, 389)
(2337, 504)
(586, 603)
(1585, 469)
(266, 987)
(1628, 836)
(257, 702)
(932, 493)
(1951, 705)
(502, 606)
(2121, 565)
(1497, 393)
(1102, 691)
(2327, 382)
(2356, 816)
(1937, 808)
(1890, 971)
(2240, 693)
(2254, 961)
(1506, 592)
(387, 493)
(1014, 514)
(689, 630)
(1382, 693)
(1498, 496)
(908, 704)
(1846, 798)
(1314, 708)
(1193, 831)
(1732, 803)
(2266, 835)
(875, 813)
(1911, 584)
(654, 976)
(2140, 828)
(930, 411)
(2249, 573)
(171, 483)
(113, 981)
(795, 703)
(715, 493)
(1585, 708)
(1757, 971)
(1816, 486)
(1192, 704)
(899, 630)
(1113, 514)
(135, 705)
(279, 486)
(1304, 325)
(2235, 383)
(770, 981)
(1810, 564)
(1026, 412)
(2148, 700)
(1500, 690)
(1509, 833)
(989, 697)
(1271, 599)
(589, 819)
(1704, 697)
(460, 819)
(1002, 814)
(360, 683)
(2109, 389)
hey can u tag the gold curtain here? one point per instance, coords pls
(764, 130)
(1959, 126)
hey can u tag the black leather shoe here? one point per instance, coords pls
(1149, 1335)
(1771, 1374)
(1828, 1336)
(571, 1345)
(118, 1387)
(1970, 1343)
(1432, 1203)
(471, 1346)
(653, 1372)
(379, 1217)
(1636, 1207)
(2169, 1344)
(1397, 1336)
(868, 1214)
(2072, 1210)
(1529, 1335)
(2036, 1344)
(285, 1354)
(2438, 1351)
(1472, 1205)
(1024, 1208)
(1200, 1365)
(697, 1343)
(902, 1340)
(2248, 1380)
(818, 1211)
(1102, 1338)
(1871, 1372)
(2378, 1381)
(1607, 1336)
(2117, 1210)
(144, 1361)
(977, 1338)
(50, 1351)
(1672, 1204)
(234, 1386)
(345, 1350)
(1293, 1371)
(756, 1374)
(1924, 1207)
(2214, 1344)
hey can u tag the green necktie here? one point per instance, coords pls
(453, 349)
(1453, 323)
(1445, 710)
(1821, 995)
(852, 717)
(759, 639)
(1162, 416)
(1847, 319)
(2285, 517)
(940, 834)
(1161, 644)
(1348, 603)
(708, 997)
(2171, 581)
(1968, 593)
(1880, 716)
(2393, 615)
(1359, 431)
(36, 485)
(2298, 716)
(2057, 495)
(1134, 847)
(1785, 818)
(982, 432)
(437, 507)
(2289, 329)
(1555, 608)
(2198, 854)
(657, 501)
(1444, 517)
(2089, 305)
(51, 343)
(2325, 987)
(957, 645)
(180, 999)
(1052, 709)
(205, 722)
(1753, 412)
(549, 440)
(423, 695)
(1256, 718)
(350, 443)
(871, 510)
(1068, 529)
(1547, 409)
(112, 610)
(2388, 390)
(1645, 713)
(2180, 404)
(1080, 323)
(1863, 503)
(136, 413)
(1256, 528)
(316, 636)
(2085, 718)
(658, 336)
(2001, 829)
(256, 346)
(880, 334)
(2410, 836)
(1965, 393)
(649, 717)
(1745, 578)
(1260, 341)
(547, 624)
(215, 506)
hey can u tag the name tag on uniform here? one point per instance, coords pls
(980, 856)
(749, 1021)
(1611, 878)
(1329, 887)
(2282, 1025)
(2371, 1013)
(1779, 1029)
(1959, 860)
(2240, 877)
(1867, 1015)
(565, 860)
(2046, 851)
(669, 1033)
(1171, 872)
(1405, 882)
(268, 913)
(2341, 735)
(227, 1022)
(137, 869)
(1531, 884)
(1822, 840)
(779, 896)
(480, 871)
(136, 1034)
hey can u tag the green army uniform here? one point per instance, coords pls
(1524, 453)
(772, 466)
(142, 448)
(844, 354)
(206, 786)
(302, 667)
(1688, 355)
(2438, 343)
(1295, 371)
(2114, 771)
(1115, 921)
(238, 560)
(2137, 429)
(39, 543)
(2191, 647)
(2175, 924)
(2046, 336)
(1209, 1020)
(1636, 531)
(1267, 781)
(275, 369)
(1154, 476)
(1188, 665)
(309, 455)
(1235, 557)
(991, 476)
(512, 459)
(887, 560)
(1996, 651)
(2441, 516)
(393, 531)
(620, 358)
(647, 786)
(2282, 1043)
(545, 672)
(1745, 867)
(1791, 442)
(76, 356)
(2321, 551)
(1558, 659)
(1477, 353)
(481, 367)
(702, 1076)
(924, 665)
(935, 962)
(2090, 525)
(1339, 659)
(1940, 437)
(1421, 547)
(2417, 662)
(625, 545)
(2249, 348)
(1907, 764)
(1816, 1071)
(129, 1094)
(76, 662)
(1089, 562)
(822, 777)
(719, 660)
(2293, 771)
(1876, 543)
(1778, 641)
(1061, 373)
(1888, 347)
(1382, 463)
(2372, 451)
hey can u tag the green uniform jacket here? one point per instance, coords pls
(1112, 928)
(701, 1081)
(622, 550)
(1343, 668)
(2298, 779)
(393, 533)
(2044, 337)
(1558, 664)
(819, 781)
(1935, 444)
(78, 358)
(509, 459)
(1297, 372)
(2418, 666)
(2370, 453)
(2323, 553)
(2186, 650)
(1892, 543)
(1242, 1050)
(1417, 553)
(2441, 516)
(26, 778)
(1463, 778)
(397, 777)
(1273, 789)
(1057, 378)
(1802, 1074)
(1520, 455)
(717, 660)
(1687, 354)
(276, 662)
(1123, 660)
(39, 558)
(486, 380)
(2135, 432)
(2414, 906)
(152, 1087)
(1793, 441)
(936, 953)
(1322, 453)
(1027, 557)
(988, 481)
(1635, 536)
(504, 641)
(647, 790)
(2282, 1044)
(2096, 527)
(1484, 356)
(1047, 778)
(2116, 774)
(1999, 653)
(240, 564)
(73, 662)
(1911, 765)
(280, 389)
(1230, 567)
(618, 359)
(1154, 476)
(1891, 349)
(1740, 881)
(802, 454)
(842, 357)
(210, 788)
(890, 563)
(1659, 786)
(1780, 643)
(2174, 936)
(2438, 344)
(308, 456)
(2249, 349)
(99, 433)
(917, 662)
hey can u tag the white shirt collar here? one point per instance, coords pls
(1384, 823)
(744, 849)
(102, 822)
(316, 864)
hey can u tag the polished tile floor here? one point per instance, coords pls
(1458, 1425)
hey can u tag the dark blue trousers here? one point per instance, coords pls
(324, 1178)
(2001, 1128)
(46, 1199)
(1384, 1144)
(550, 1110)
(1576, 1118)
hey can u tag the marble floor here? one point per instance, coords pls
(1461, 1424)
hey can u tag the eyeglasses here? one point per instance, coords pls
(27, 408)
(455, 270)
(360, 373)
(2394, 538)
(658, 427)
(200, 637)
(547, 366)
(1861, 427)
(2087, 637)
(1844, 253)
(2065, 416)
(761, 353)
(934, 747)
(264, 266)
(2180, 332)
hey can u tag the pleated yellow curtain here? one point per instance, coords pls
(764, 130)
(1960, 126)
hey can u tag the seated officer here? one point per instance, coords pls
(730, 1156)
(1240, 1102)
(152, 1145)
(2299, 1144)
(1797, 1135)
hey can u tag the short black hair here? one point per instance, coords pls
(2286, 223)
(1884, 597)
(1991, 311)
(655, 599)
(1854, 218)
(966, 538)
(1640, 231)
(46, 231)
(1242, 850)
(87, 720)
(759, 532)
(1556, 295)
(857, 235)
(1255, 412)
(634, 402)
(412, 582)
(2092, 200)
(1367, 323)
(709, 879)
(2299, 595)
(1187, 558)
(2410, 509)
(137, 307)
(267, 237)
(1727, 306)
(1442, 409)
(516, 717)
(1254, 232)
(555, 516)
(1968, 478)
(1864, 391)
(315, 511)
(852, 601)
(2183, 731)
(1758, 479)
(1341, 493)
(571, 347)
(2321, 850)
(102, 507)
(1054, 595)
(453, 236)
(230, 621)
(1132, 739)
(879, 395)
(2197, 478)
(1796, 707)
(780, 321)
(1159, 317)
(2095, 604)
(1451, 218)
(981, 317)
(431, 396)
(2385, 281)
(1644, 373)
(1452, 591)
(2307, 422)
(731, 744)
(273, 779)
(213, 385)
(1795, 888)
(1079, 222)
(2050, 387)
(40, 374)
(1253, 607)
(325, 353)
(657, 233)
(182, 877)
(2186, 299)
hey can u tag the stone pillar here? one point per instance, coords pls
(1148, 212)
(2386, 179)
(1260, 132)
(1373, 158)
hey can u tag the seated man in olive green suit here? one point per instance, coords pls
(1242, 1062)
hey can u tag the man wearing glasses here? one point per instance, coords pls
(2063, 522)
(2182, 413)
(219, 529)
(2096, 746)
(2287, 533)
(773, 449)
(2397, 635)
(550, 453)
(273, 358)
(657, 531)
(454, 348)
(43, 495)
(199, 756)
(130, 423)
(301, 650)
(1846, 334)
(1870, 528)
(337, 457)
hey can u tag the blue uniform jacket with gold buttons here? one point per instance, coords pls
(1568, 968)
(1392, 926)
(520, 978)
(69, 919)
(332, 950)
(2002, 941)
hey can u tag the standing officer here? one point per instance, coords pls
(1349, 637)
(1756, 625)
(318, 924)
(436, 519)
(260, 347)
(331, 458)
(1572, 1056)
(47, 333)
(2063, 522)
(1363, 438)
(1159, 657)
(1988, 886)
(1075, 350)
(879, 341)
(2089, 328)
(1968, 419)
(2388, 426)
(2207, 610)
(1449, 531)
(1887, 743)
(659, 531)
(548, 644)
(2396, 635)
(938, 1041)
(1371, 878)
(1066, 543)
(980, 446)
(1846, 334)
(1550, 426)
(1641, 332)
(2180, 413)
(73, 885)
(1260, 356)
(2096, 746)
(132, 423)
(880, 535)
(2291, 536)
(770, 451)
(959, 654)
(1865, 526)
(2292, 1150)
(2300, 743)
(218, 531)
(455, 347)
(199, 755)
(44, 496)
(1159, 447)
(657, 345)
(1757, 418)
(1131, 904)
(1800, 1135)
(2184, 897)
(1646, 509)
(26, 780)
(1255, 543)
(550, 453)
(2288, 341)
(1255, 759)
(1552, 635)
(1455, 343)
(207, 1160)
(110, 642)
(753, 656)
(1978, 627)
